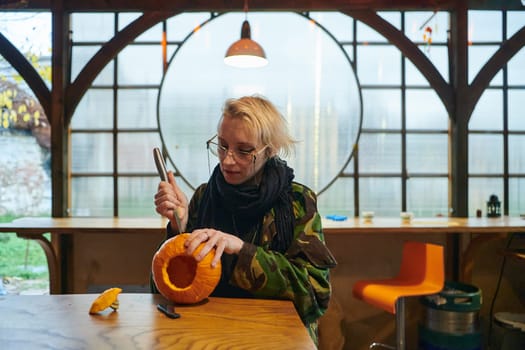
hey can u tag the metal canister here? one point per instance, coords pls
(451, 319)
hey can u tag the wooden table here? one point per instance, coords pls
(35, 228)
(63, 322)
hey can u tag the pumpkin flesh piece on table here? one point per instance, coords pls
(108, 298)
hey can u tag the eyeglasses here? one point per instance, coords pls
(240, 156)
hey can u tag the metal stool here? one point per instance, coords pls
(422, 272)
(512, 324)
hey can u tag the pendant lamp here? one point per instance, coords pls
(245, 53)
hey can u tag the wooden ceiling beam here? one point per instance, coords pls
(255, 5)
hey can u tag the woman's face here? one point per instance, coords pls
(236, 136)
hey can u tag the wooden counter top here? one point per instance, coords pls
(426, 225)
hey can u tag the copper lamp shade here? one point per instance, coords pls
(245, 53)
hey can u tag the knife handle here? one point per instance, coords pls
(163, 173)
(161, 166)
(165, 310)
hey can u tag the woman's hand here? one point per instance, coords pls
(223, 242)
(171, 201)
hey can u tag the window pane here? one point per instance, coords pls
(338, 24)
(477, 58)
(381, 109)
(413, 76)
(517, 154)
(516, 196)
(338, 199)
(516, 69)
(135, 152)
(427, 197)
(349, 49)
(379, 153)
(480, 190)
(105, 77)
(485, 154)
(124, 19)
(392, 17)
(152, 34)
(180, 25)
(425, 111)
(439, 25)
(380, 195)
(27, 31)
(135, 196)
(427, 154)
(140, 64)
(438, 55)
(515, 20)
(479, 31)
(378, 65)
(137, 108)
(320, 136)
(488, 113)
(516, 120)
(367, 34)
(92, 196)
(349, 169)
(25, 141)
(91, 153)
(95, 110)
(81, 56)
(25, 175)
(82, 25)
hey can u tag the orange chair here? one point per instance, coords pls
(422, 272)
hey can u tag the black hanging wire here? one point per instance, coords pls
(494, 297)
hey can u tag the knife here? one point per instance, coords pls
(168, 310)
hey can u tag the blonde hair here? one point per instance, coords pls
(265, 121)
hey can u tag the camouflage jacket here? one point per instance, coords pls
(301, 274)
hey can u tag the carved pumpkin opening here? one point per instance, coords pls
(181, 270)
(181, 278)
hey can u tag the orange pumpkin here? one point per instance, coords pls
(179, 277)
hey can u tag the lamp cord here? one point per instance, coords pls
(498, 284)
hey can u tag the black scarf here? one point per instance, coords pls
(239, 209)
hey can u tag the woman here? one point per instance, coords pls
(265, 227)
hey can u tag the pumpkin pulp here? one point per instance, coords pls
(182, 270)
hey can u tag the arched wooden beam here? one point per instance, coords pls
(53, 266)
(28, 73)
(107, 52)
(411, 51)
(506, 51)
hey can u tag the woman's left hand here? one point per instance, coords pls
(223, 242)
